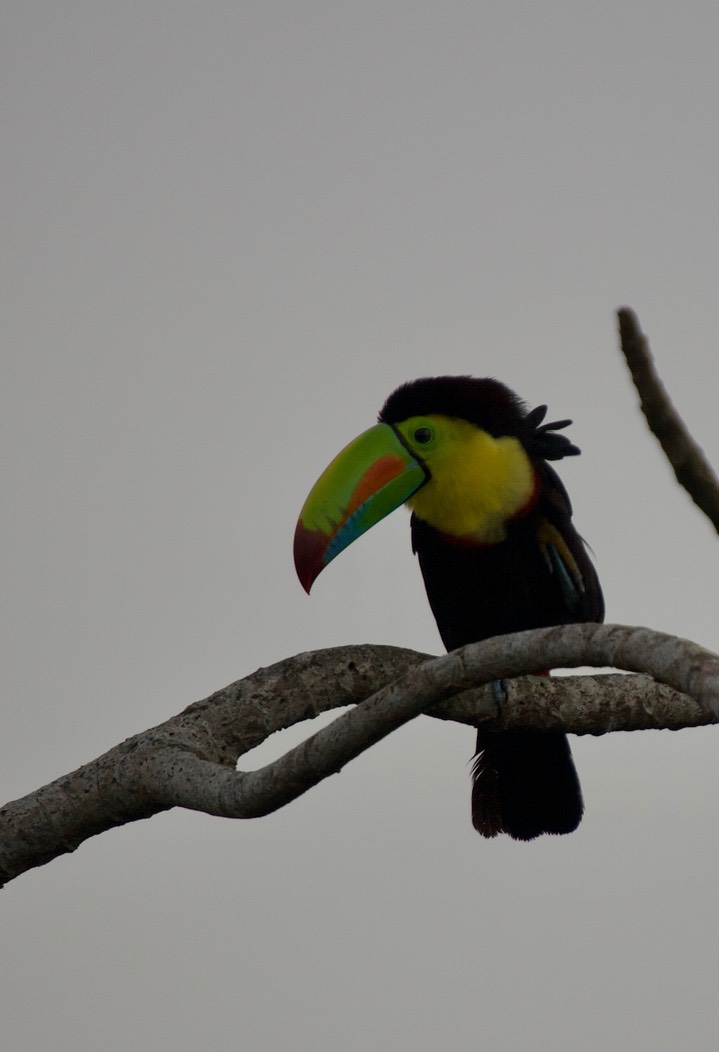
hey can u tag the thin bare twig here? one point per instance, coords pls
(692, 469)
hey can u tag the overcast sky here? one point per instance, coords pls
(229, 230)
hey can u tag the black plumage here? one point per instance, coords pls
(540, 574)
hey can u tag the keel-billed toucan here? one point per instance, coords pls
(491, 525)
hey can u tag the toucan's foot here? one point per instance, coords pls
(499, 690)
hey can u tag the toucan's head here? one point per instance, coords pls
(463, 453)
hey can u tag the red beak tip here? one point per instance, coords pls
(310, 546)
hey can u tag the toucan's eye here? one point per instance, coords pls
(423, 435)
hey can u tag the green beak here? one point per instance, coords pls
(371, 477)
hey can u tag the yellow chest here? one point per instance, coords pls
(478, 484)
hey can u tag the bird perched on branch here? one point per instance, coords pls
(492, 528)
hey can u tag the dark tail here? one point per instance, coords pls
(525, 784)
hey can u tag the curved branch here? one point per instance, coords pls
(189, 761)
(692, 469)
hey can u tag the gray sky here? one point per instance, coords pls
(229, 230)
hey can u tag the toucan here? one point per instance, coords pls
(492, 528)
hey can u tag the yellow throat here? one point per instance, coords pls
(478, 482)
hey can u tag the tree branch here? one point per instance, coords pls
(692, 469)
(189, 761)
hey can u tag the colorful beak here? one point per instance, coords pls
(371, 477)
